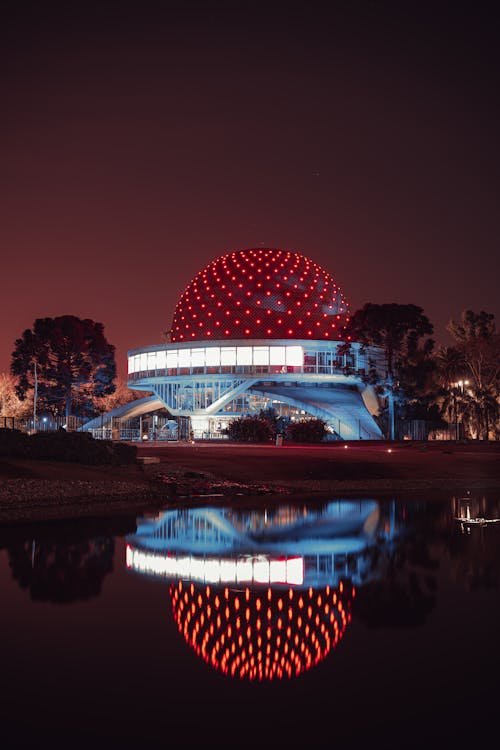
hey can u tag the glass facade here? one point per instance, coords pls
(311, 357)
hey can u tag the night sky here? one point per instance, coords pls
(139, 142)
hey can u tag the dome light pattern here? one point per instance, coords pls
(261, 293)
(261, 634)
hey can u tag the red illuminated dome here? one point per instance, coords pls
(261, 293)
(264, 635)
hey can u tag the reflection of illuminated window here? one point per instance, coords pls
(244, 570)
(228, 570)
(212, 570)
(261, 571)
(277, 571)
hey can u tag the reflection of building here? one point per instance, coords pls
(282, 546)
(261, 635)
(257, 329)
(260, 594)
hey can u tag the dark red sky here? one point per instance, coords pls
(140, 142)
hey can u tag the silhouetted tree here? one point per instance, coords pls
(63, 573)
(403, 332)
(74, 363)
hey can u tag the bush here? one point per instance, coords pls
(307, 431)
(76, 447)
(13, 443)
(124, 453)
(250, 430)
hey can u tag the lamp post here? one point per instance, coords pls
(390, 394)
(35, 394)
(456, 413)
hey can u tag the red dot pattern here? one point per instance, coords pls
(261, 293)
(261, 635)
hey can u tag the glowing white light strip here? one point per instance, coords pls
(260, 569)
(291, 356)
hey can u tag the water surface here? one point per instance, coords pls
(301, 624)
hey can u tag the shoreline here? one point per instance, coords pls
(37, 491)
(36, 500)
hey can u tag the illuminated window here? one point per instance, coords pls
(172, 358)
(277, 355)
(228, 355)
(244, 355)
(212, 356)
(294, 356)
(261, 355)
(184, 357)
(161, 359)
(197, 357)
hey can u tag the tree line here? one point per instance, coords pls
(458, 384)
(68, 366)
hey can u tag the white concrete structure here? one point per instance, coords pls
(221, 380)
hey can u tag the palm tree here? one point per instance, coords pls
(481, 411)
(479, 344)
(450, 370)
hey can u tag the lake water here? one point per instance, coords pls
(298, 623)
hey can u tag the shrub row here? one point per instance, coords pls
(257, 429)
(76, 447)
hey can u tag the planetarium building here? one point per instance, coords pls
(259, 329)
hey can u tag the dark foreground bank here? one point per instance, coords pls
(180, 472)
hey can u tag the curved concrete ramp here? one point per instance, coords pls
(132, 409)
(342, 408)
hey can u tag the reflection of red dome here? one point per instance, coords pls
(260, 293)
(261, 635)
